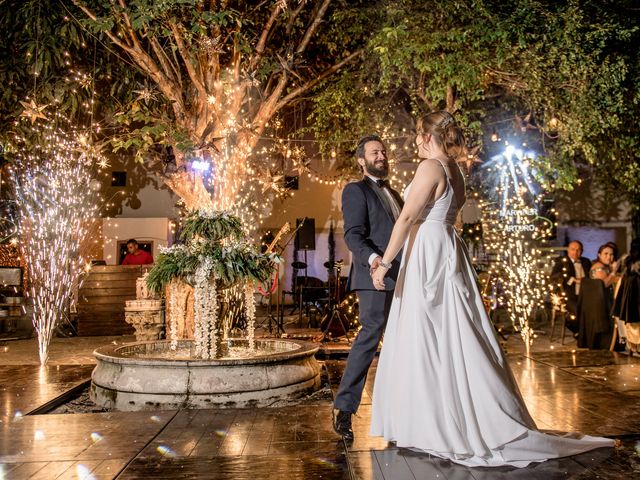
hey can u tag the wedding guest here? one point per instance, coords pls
(595, 301)
(626, 306)
(568, 272)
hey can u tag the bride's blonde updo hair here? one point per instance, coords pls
(445, 131)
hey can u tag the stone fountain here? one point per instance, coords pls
(140, 376)
(212, 369)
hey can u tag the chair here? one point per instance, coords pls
(558, 308)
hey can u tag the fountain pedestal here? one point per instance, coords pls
(147, 317)
(137, 377)
(145, 313)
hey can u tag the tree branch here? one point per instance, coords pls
(114, 38)
(313, 27)
(169, 68)
(184, 53)
(270, 105)
(294, 15)
(312, 83)
(127, 21)
(169, 88)
(451, 97)
(424, 98)
(255, 60)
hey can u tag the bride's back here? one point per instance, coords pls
(449, 198)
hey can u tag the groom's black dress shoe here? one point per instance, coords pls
(342, 425)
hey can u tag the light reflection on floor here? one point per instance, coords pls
(564, 390)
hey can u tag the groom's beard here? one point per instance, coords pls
(378, 168)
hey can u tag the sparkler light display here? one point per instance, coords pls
(56, 210)
(515, 233)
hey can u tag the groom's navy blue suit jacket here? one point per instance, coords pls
(368, 223)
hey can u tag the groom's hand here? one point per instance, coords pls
(377, 278)
(374, 265)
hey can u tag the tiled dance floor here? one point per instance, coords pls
(593, 392)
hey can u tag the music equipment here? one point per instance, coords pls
(299, 265)
(312, 289)
(283, 231)
(331, 265)
(335, 322)
(306, 234)
(269, 249)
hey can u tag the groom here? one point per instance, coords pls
(370, 208)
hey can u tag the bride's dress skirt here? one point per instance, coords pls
(443, 385)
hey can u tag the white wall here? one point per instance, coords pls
(150, 201)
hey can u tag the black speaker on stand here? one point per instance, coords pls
(306, 234)
(305, 240)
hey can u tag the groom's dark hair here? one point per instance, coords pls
(363, 141)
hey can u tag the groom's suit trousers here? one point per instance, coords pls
(374, 310)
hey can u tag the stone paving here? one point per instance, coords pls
(565, 389)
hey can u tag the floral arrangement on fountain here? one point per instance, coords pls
(215, 255)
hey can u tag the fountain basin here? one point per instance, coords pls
(130, 377)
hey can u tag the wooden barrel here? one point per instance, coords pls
(102, 296)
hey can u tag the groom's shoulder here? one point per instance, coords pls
(357, 185)
(354, 193)
(356, 182)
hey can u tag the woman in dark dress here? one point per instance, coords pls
(626, 306)
(595, 301)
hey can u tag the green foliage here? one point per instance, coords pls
(176, 262)
(580, 66)
(216, 237)
(347, 110)
(142, 127)
(47, 56)
(212, 226)
(241, 262)
(230, 29)
(420, 51)
(493, 63)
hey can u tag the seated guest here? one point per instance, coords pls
(568, 272)
(595, 301)
(605, 267)
(614, 247)
(136, 256)
(626, 306)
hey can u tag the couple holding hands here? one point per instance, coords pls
(443, 385)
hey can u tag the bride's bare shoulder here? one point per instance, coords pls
(431, 167)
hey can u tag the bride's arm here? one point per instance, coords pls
(429, 176)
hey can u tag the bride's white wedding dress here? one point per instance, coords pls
(443, 385)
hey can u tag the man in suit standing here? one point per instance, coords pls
(370, 208)
(567, 273)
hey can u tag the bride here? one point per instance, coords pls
(443, 385)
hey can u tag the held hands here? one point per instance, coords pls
(377, 276)
(374, 265)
